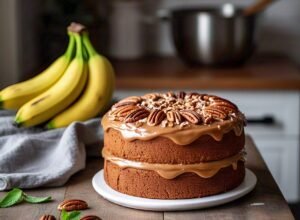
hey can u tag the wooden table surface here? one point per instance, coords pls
(260, 73)
(264, 202)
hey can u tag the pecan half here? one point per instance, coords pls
(225, 105)
(152, 96)
(136, 115)
(219, 99)
(156, 117)
(123, 111)
(72, 204)
(135, 99)
(119, 104)
(214, 112)
(174, 116)
(191, 116)
(132, 100)
(90, 217)
(47, 217)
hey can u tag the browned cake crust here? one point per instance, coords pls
(163, 150)
(148, 184)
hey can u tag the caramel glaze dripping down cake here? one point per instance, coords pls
(173, 146)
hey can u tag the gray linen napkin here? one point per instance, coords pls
(35, 157)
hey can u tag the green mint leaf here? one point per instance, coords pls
(13, 197)
(74, 215)
(64, 215)
(34, 199)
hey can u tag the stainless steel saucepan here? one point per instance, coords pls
(215, 36)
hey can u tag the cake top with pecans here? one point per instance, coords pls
(174, 109)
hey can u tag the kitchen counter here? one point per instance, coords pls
(264, 202)
(262, 73)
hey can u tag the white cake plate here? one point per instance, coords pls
(112, 195)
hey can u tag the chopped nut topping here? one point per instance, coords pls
(170, 109)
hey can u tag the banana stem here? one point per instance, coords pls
(88, 45)
(17, 122)
(71, 45)
(85, 52)
(78, 46)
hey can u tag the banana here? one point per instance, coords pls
(98, 92)
(14, 96)
(59, 96)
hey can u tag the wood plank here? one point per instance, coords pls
(80, 187)
(261, 73)
(264, 202)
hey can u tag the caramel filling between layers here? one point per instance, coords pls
(179, 135)
(170, 171)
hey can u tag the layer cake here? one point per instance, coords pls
(174, 145)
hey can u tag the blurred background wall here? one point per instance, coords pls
(33, 31)
(9, 42)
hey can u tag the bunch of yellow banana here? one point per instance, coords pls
(14, 96)
(71, 89)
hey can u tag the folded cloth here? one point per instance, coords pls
(35, 157)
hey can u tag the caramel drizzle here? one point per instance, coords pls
(170, 171)
(179, 135)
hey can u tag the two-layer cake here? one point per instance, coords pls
(174, 145)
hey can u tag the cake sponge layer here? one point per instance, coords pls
(163, 150)
(148, 184)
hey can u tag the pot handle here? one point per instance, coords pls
(257, 7)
